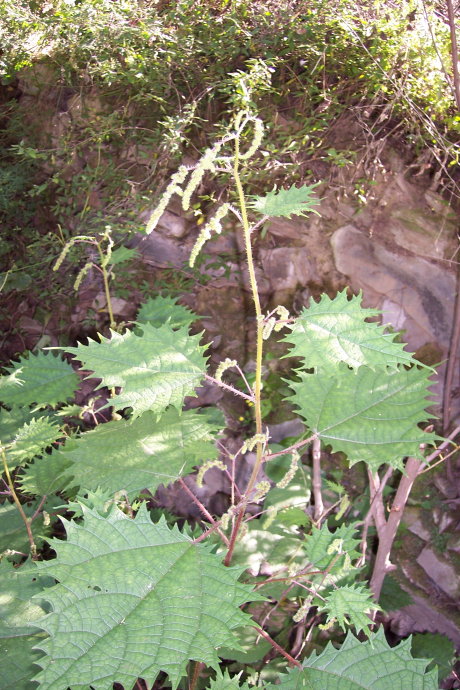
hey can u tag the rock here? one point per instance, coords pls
(172, 225)
(420, 295)
(412, 518)
(292, 427)
(160, 250)
(441, 571)
(286, 267)
(421, 617)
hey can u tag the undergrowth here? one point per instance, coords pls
(103, 98)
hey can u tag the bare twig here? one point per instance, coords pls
(382, 563)
(377, 508)
(370, 515)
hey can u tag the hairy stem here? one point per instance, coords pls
(105, 278)
(275, 645)
(235, 391)
(259, 347)
(316, 479)
(26, 520)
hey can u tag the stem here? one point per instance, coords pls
(275, 645)
(236, 529)
(206, 513)
(259, 347)
(26, 520)
(229, 388)
(376, 507)
(195, 675)
(105, 277)
(316, 479)
(294, 446)
(382, 563)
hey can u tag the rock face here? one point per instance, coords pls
(416, 296)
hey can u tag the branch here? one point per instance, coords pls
(229, 388)
(275, 645)
(382, 563)
(206, 513)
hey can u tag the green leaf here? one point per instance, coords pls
(332, 551)
(121, 254)
(139, 454)
(348, 605)
(17, 615)
(159, 310)
(253, 647)
(41, 379)
(277, 546)
(393, 596)
(435, 646)
(335, 330)
(155, 369)
(44, 475)
(297, 201)
(134, 598)
(31, 439)
(361, 666)
(371, 416)
(226, 683)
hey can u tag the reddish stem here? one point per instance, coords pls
(203, 510)
(275, 645)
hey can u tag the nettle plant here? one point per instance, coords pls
(120, 598)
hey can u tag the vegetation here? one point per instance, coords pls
(127, 598)
(289, 584)
(162, 75)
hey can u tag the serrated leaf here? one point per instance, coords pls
(295, 201)
(121, 254)
(44, 475)
(335, 330)
(349, 605)
(45, 379)
(435, 646)
(296, 494)
(31, 439)
(155, 369)
(371, 416)
(361, 666)
(141, 454)
(134, 598)
(17, 615)
(159, 310)
(253, 647)
(332, 551)
(225, 682)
